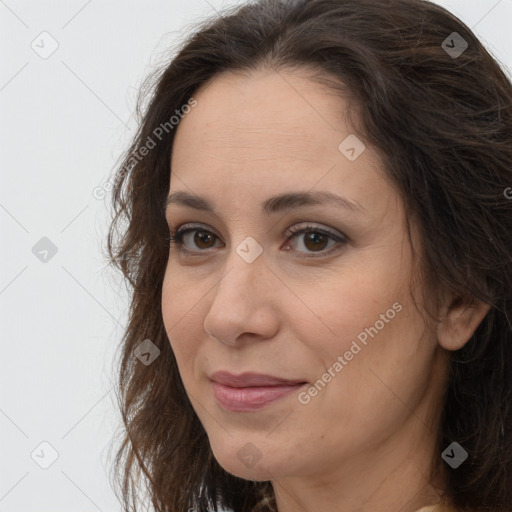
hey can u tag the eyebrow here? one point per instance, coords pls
(279, 203)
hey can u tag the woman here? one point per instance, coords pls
(318, 236)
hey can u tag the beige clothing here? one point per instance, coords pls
(437, 508)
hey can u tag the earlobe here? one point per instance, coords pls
(459, 321)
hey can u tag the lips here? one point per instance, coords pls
(250, 391)
(250, 379)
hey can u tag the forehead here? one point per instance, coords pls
(268, 133)
(265, 114)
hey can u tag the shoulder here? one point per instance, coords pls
(437, 508)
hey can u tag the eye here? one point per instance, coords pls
(202, 237)
(316, 241)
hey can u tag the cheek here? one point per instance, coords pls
(383, 353)
(179, 319)
(366, 328)
(345, 310)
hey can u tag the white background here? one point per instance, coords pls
(64, 122)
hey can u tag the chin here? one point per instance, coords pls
(244, 460)
(254, 474)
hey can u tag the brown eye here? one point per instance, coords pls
(315, 241)
(309, 240)
(192, 239)
(202, 239)
(312, 239)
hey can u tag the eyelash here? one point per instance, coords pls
(176, 239)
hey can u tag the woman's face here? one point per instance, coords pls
(327, 312)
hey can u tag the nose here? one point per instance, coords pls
(244, 303)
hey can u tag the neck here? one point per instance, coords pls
(396, 477)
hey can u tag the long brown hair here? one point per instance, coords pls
(440, 115)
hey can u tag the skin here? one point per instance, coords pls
(367, 440)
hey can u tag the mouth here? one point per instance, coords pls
(250, 391)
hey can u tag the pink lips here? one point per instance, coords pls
(249, 391)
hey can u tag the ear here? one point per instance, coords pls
(459, 320)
